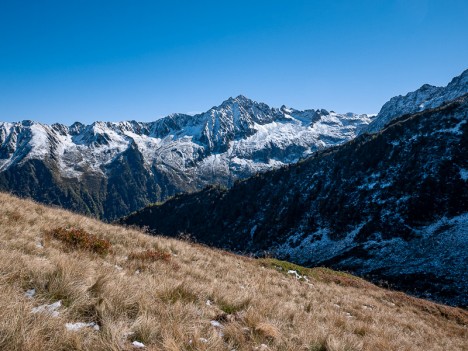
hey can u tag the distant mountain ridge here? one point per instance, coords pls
(428, 96)
(391, 205)
(111, 169)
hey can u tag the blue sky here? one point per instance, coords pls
(66, 61)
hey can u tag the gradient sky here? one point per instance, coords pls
(65, 61)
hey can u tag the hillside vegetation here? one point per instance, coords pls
(392, 206)
(130, 291)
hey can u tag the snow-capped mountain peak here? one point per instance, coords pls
(180, 152)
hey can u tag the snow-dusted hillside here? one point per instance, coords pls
(175, 154)
(428, 96)
(391, 205)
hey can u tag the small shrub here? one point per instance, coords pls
(150, 255)
(77, 238)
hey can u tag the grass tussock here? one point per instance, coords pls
(232, 306)
(150, 255)
(189, 297)
(77, 238)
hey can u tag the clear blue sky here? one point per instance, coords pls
(65, 61)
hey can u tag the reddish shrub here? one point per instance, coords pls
(77, 238)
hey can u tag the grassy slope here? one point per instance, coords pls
(163, 304)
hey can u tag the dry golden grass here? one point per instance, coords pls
(195, 299)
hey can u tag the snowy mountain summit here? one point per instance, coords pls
(428, 96)
(110, 169)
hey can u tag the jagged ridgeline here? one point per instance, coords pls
(111, 169)
(391, 205)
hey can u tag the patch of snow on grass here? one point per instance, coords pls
(79, 325)
(30, 293)
(49, 309)
(138, 345)
(216, 324)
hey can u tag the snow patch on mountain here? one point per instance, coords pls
(428, 96)
(464, 174)
(301, 246)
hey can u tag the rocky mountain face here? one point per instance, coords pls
(111, 169)
(428, 96)
(390, 206)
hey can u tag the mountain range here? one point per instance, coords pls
(390, 205)
(111, 169)
(381, 196)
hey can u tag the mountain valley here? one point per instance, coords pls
(391, 206)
